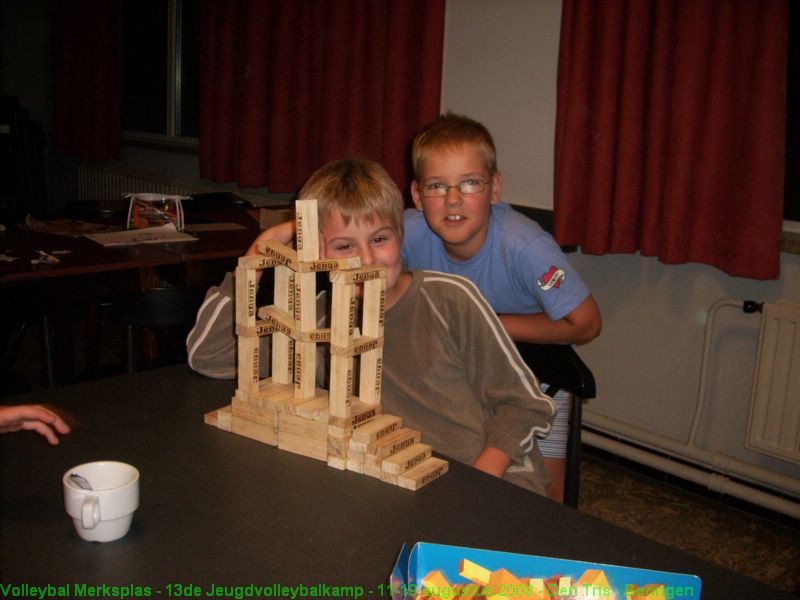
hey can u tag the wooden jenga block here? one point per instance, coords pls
(219, 418)
(338, 449)
(305, 369)
(303, 446)
(372, 470)
(282, 345)
(245, 312)
(278, 319)
(268, 393)
(248, 363)
(255, 431)
(422, 475)
(261, 328)
(358, 274)
(274, 252)
(342, 314)
(301, 427)
(354, 465)
(341, 385)
(406, 459)
(315, 335)
(359, 415)
(307, 236)
(315, 409)
(303, 436)
(266, 413)
(394, 442)
(372, 327)
(337, 462)
(315, 266)
(377, 428)
(305, 353)
(361, 345)
(245, 297)
(257, 263)
(374, 307)
(355, 454)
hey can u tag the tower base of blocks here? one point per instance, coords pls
(367, 441)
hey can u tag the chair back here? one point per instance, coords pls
(172, 311)
(215, 201)
(562, 369)
(560, 366)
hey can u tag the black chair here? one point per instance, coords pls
(562, 368)
(215, 201)
(24, 312)
(168, 313)
(111, 211)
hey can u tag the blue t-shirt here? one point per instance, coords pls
(520, 269)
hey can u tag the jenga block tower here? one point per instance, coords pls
(345, 429)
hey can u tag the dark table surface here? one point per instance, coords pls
(77, 256)
(220, 509)
(219, 234)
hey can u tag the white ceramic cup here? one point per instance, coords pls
(104, 513)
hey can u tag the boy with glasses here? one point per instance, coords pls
(449, 369)
(460, 226)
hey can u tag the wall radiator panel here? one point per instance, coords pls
(104, 183)
(774, 424)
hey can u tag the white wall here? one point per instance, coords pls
(500, 67)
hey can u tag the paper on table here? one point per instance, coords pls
(163, 233)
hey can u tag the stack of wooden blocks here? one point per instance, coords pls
(287, 409)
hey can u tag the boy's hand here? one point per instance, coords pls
(283, 233)
(492, 461)
(33, 417)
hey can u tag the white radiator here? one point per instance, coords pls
(98, 182)
(774, 424)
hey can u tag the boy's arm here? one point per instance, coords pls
(582, 325)
(492, 461)
(211, 344)
(515, 405)
(283, 233)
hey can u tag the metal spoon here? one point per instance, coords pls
(80, 481)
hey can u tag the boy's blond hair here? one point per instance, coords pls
(448, 132)
(359, 188)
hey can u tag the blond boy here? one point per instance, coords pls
(461, 226)
(449, 368)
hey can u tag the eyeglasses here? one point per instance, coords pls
(438, 189)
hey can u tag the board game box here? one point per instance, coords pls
(451, 572)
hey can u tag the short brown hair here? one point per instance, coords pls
(449, 131)
(359, 188)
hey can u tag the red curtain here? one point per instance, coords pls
(670, 132)
(288, 86)
(87, 61)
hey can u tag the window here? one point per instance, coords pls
(160, 62)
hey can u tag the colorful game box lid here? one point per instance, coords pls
(451, 572)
